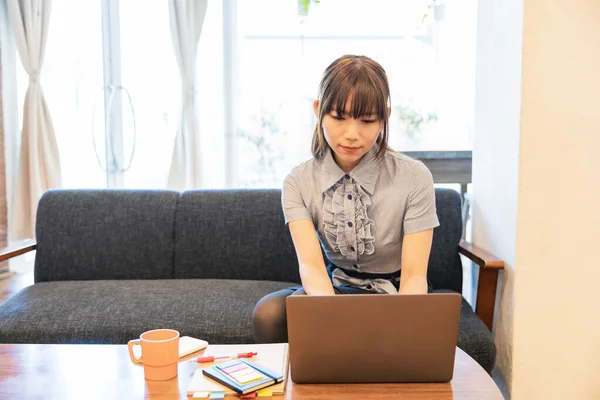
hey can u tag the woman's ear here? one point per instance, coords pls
(389, 111)
(316, 108)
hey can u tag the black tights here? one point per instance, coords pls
(269, 319)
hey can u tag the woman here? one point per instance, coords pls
(369, 208)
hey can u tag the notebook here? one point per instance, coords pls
(243, 375)
(273, 356)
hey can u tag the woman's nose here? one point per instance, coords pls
(352, 131)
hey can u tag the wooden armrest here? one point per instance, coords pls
(488, 280)
(479, 256)
(17, 249)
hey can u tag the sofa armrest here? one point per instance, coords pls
(489, 265)
(17, 249)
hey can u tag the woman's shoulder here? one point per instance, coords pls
(301, 181)
(405, 165)
(303, 170)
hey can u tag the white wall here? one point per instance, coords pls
(496, 152)
(556, 326)
(545, 223)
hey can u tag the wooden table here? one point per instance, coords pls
(32, 371)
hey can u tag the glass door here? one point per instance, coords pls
(148, 92)
(72, 80)
(112, 85)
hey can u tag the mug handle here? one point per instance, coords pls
(130, 344)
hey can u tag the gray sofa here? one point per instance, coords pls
(111, 264)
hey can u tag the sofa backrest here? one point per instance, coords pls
(445, 268)
(220, 234)
(105, 234)
(233, 234)
(241, 234)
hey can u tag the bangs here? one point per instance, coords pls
(356, 97)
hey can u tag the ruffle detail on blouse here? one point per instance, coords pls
(335, 228)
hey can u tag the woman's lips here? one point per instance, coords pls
(350, 149)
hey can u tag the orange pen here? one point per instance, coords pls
(230, 357)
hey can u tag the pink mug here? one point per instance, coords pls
(160, 353)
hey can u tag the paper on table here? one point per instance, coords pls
(272, 355)
(187, 345)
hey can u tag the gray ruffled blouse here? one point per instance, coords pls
(361, 217)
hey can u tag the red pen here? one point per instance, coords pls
(232, 357)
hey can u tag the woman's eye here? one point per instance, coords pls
(338, 118)
(369, 121)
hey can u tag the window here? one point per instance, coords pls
(429, 61)
(259, 65)
(118, 57)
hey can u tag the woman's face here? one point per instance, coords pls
(349, 138)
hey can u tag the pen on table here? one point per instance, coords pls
(230, 357)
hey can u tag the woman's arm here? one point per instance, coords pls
(416, 248)
(315, 279)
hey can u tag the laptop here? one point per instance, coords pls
(373, 338)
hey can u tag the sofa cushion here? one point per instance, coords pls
(105, 234)
(474, 338)
(219, 311)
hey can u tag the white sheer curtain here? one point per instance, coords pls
(186, 19)
(39, 164)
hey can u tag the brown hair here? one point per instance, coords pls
(366, 82)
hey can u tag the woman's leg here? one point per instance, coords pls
(269, 319)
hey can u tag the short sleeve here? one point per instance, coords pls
(294, 208)
(421, 212)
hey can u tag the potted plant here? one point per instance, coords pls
(412, 120)
(304, 6)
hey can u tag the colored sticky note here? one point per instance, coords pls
(248, 395)
(264, 393)
(200, 395)
(254, 376)
(217, 395)
(242, 372)
(227, 365)
(234, 368)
